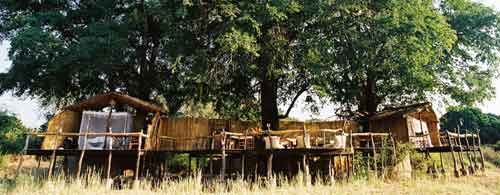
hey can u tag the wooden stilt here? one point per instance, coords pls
(455, 166)
(330, 171)
(383, 158)
(348, 165)
(443, 171)
(108, 171)
(270, 166)
(469, 157)
(460, 155)
(474, 149)
(394, 157)
(21, 155)
(53, 156)
(480, 151)
(223, 145)
(305, 168)
(82, 154)
(190, 172)
(374, 155)
(243, 159)
(138, 161)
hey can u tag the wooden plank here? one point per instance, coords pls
(455, 166)
(82, 154)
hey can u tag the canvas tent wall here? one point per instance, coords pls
(69, 118)
(97, 122)
(417, 122)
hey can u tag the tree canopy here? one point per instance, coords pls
(473, 120)
(245, 58)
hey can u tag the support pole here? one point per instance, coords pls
(82, 154)
(138, 162)
(210, 157)
(189, 164)
(21, 155)
(455, 166)
(243, 156)
(374, 155)
(53, 156)
(330, 171)
(270, 165)
(305, 167)
(382, 159)
(109, 181)
(394, 157)
(474, 149)
(460, 156)
(480, 151)
(223, 144)
(471, 163)
(442, 165)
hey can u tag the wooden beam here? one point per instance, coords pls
(331, 177)
(270, 165)
(305, 168)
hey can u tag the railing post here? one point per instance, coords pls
(109, 181)
(460, 156)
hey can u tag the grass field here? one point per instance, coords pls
(487, 182)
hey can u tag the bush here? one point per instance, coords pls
(12, 133)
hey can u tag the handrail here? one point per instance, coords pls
(40, 134)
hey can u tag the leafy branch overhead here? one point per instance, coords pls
(246, 58)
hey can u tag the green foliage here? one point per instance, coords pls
(473, 119)
(12, 133)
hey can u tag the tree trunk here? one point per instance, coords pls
(269, 103)
(369, 100)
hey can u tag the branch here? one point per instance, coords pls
(293, 103)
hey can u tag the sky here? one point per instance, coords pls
(30, 112)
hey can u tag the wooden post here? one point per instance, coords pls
(374, 155)
(442, 166)
(53, 156)
(223, 144)
(330, 170)
(394, 157)
(23, 152)
(243, 156)
(270, 165)
(108, 171)
(351, 144)
(474, 157)
(138, 161)
(455, 166)
(210, 160)
(382, 159)
(480, 151)
(460, 157)
(305, 169)
(347, 165)
(189, 164)
(82, 154)
(471, 163)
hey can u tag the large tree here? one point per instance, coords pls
(64, 51)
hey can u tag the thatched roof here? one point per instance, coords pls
(104, 100)
(402, 111)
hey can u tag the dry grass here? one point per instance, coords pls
(484, 183)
